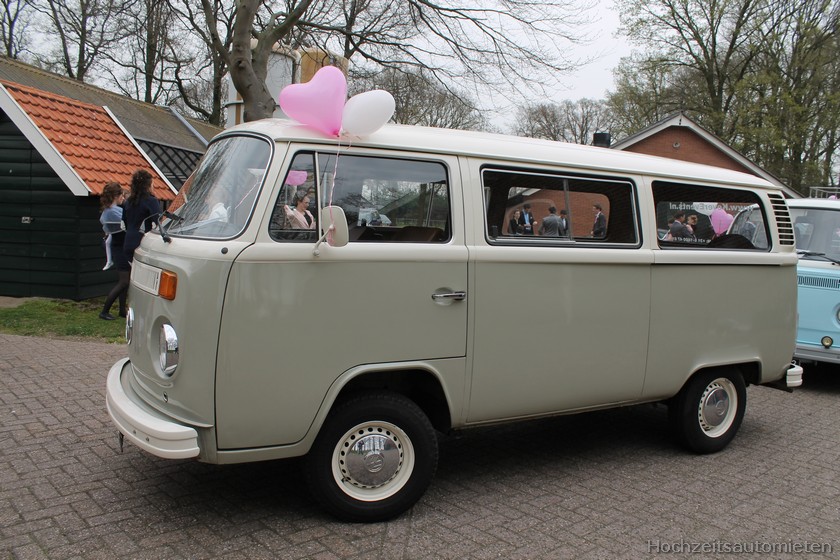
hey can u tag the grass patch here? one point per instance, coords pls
(62, 318)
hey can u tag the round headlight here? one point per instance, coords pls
(168, 349)
(129, 325)
(826, 341)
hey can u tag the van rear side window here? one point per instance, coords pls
(692, 216)
(539, 207)
(387, 200)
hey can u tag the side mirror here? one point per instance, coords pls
(334, 225)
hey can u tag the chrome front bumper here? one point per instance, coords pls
(143, 426)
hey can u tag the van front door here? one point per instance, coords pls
(294, 322)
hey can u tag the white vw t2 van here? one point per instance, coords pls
(268, 320)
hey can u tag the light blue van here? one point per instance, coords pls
(817, 231)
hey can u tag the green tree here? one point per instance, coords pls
(14, 22)
(762, 76)
(642, 96)
(495, 45)
(201, 84)
(709, 45)
(83, 30)
(420, 100)
(567, 121)
(144, 64)
(791, 107)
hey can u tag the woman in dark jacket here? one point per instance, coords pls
(140, 212)
(513, 225)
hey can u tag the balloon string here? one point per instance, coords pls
(332, 189)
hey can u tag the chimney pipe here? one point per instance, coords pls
(602, 139)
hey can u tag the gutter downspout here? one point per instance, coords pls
(188, 126)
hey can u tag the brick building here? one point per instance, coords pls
(679, 137)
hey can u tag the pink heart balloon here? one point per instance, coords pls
(318, 103)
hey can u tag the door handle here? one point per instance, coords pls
(449, 296)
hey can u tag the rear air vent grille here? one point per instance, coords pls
(783, 222)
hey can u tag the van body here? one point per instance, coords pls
(268, 327)
(816, 224)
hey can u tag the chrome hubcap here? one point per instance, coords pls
(717, 408)
(370, 457)
(373, 461)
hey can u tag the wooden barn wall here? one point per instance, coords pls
(50, 240)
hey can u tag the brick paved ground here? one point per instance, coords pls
(602, 485)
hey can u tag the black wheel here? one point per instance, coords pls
(374, 458)
(708, 411)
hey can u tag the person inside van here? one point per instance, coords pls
(298, 215)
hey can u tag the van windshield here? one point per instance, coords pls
(817, 232)
(220, 195)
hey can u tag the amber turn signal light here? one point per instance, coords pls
(168, 285)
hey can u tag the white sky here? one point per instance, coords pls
(594, 79)
(591, 80)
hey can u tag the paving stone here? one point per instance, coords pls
(607, 484)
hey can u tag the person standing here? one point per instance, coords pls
(678, 229)
(550, 226)
(112, 196)
(513, 226)
(599, 228)
(690, 226)
(526, 220)
(140, 212)
(563, 226)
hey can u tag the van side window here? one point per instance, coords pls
(388, 200)
(540, 207)
(294, 217)
(691, 216)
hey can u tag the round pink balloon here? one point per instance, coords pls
(720, 220)
(296, 177)
(318, 103)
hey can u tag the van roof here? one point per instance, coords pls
(504, 147)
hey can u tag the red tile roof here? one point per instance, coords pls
(87, 138)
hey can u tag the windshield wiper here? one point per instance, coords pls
(163, 233)
(171, 216)
(821, 255)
